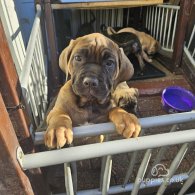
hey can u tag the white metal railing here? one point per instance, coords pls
(34, 84)
(161, 21)
(13, 33)
(33, 77)
(108, 17)
(189, 48)
(109, 148)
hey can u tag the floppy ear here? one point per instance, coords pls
(65, 57)
(125, 71)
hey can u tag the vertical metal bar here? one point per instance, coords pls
(103, 163)
(101, 17)
(191, 169)
(118, 18)
(68, 179)
(97, 20)
(112, 17)
(32, 103)
(81, 16)
(155, 22)
(188, 183)
(89, 15)
(73, 167)
(193, 53)
(161, 27)
(161, 152)
(174, 165)
(191, 37)
(130, 168)
(38, 85)
(43, 73)
(141, 171)
(122, 17)
(165, 27)
(174, 28)
(169, 29)
(131, 164)
(107, 175)
(106, 17)
(38, 71)
(115, 17)
(127, 21)
(158, 23)
(28, 107)
(147, 18)
(34, 91)
(152, 22)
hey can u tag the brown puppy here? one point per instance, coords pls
(97, 66)
(149, 44)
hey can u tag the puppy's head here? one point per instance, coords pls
(96, 65)
(154, 47)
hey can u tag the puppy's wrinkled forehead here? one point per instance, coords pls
(96, 44)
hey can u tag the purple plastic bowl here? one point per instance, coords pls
(177, 99)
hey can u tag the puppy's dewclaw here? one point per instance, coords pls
(126, 124)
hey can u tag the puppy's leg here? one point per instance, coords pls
(125, 97)
(145, 57)
(126, 124)
(141, 62)
(59, 131)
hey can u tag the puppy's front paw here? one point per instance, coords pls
(126, 124)
(58, 137)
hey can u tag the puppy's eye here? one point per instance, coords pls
(78, 58)
(110, 63)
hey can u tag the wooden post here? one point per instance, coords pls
(12, 93)
(13, 181)
(12, 98)
(184, 13)
(53, 69)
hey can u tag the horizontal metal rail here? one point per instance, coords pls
(42, 159)
(109, 128)
(119, 189)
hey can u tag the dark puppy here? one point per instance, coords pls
(86, 28)
(130, 44)
(97, 66)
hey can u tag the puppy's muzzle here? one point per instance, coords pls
(90, 82)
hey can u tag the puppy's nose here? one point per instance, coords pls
(90, 82)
